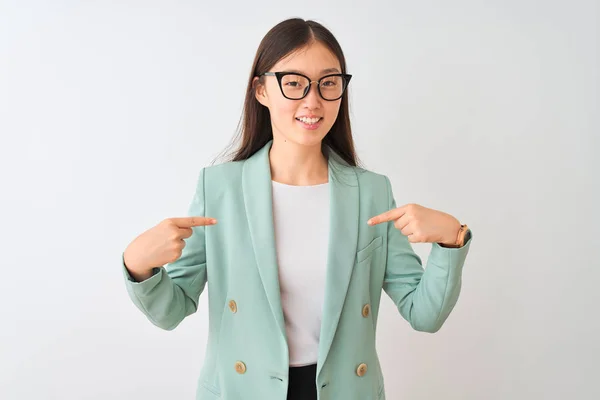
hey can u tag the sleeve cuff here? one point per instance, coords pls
(465, 245)
(450, 256)
(147, 283)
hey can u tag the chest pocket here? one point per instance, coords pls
(363, 254)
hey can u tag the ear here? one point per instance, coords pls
(260, 92)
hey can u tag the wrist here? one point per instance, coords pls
(142, 276)
(133, 268)
(452, 237)
(463, 235)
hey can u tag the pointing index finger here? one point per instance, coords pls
(387, 216)
(188, 222)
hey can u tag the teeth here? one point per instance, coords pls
(309, 120)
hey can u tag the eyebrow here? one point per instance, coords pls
(325, 71)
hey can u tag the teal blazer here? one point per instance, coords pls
(247, 354)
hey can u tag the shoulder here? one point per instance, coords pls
(227, 170)
(365, 177)
(372, 180)
(219, 180)
(373, 187)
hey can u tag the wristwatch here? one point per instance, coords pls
(464, 234)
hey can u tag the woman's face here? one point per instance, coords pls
(289, 117)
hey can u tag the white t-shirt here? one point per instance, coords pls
(301, 222)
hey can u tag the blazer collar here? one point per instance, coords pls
(343, 237)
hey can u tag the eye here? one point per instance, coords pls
(330, 82)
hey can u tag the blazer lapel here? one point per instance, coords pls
(343, 242)
(258, 192)
(343, 237)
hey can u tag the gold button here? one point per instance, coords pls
(240, 367)
(361, 370)
(232, 306)
(366, 310)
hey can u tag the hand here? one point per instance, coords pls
(161, 244)
(421, 224)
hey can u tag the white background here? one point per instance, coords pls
(487, 110)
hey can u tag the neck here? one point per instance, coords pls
(296, 164)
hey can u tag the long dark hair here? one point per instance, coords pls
(255, 124)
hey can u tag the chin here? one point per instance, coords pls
(303, 137)
(308, 138)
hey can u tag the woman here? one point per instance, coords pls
(294, 284)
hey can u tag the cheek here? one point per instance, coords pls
(283, 110)
(331, 111)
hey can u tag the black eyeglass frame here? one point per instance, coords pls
(279, 75)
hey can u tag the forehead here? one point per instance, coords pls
(314, 59)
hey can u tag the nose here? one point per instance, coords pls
(313, 99)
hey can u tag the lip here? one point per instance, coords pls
(309, 116)
(308, 126)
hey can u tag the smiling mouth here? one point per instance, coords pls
(309, 121)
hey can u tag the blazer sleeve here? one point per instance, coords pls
(424, 296)
(172, 292)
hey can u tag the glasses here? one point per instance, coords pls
(296, 86)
